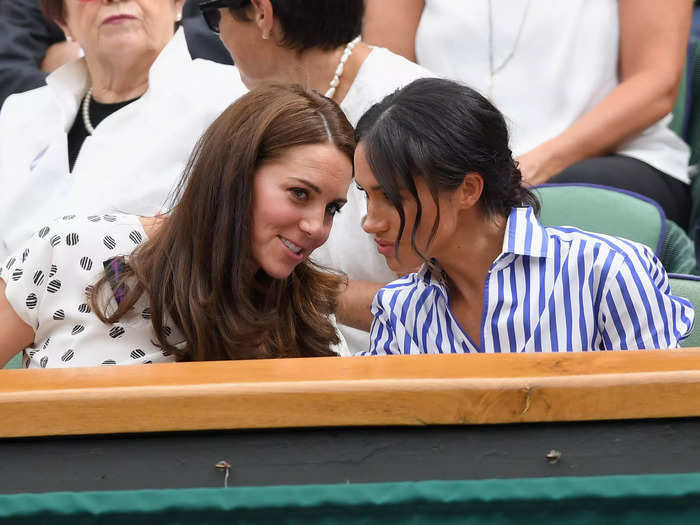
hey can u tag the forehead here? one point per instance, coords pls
(323, 165)
(363, 172)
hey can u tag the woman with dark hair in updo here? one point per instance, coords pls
(316, 43)
(225, 275)
(444, 191)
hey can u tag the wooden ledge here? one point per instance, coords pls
(395, 390)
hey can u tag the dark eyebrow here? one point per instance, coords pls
(307, 183)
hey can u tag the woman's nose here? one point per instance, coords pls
(372, 222)
(315, 225)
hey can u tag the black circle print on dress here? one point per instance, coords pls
(67, 356)
(72, 239)
(116, 332)
(146, 314)
(77, 329)
(44, 361)
(84, 308)
(10, 262)
(59, 315)
(46, 343)
(109, 218)
(109, 242)
(136, 237)
(38, 277)
(167, 331)
(109, 362)
(31, 301)
(68, 217)
(44, 231)
(137, 354)
(86, 263)
(94, 218)
(53, 270)
(54, 286)
(17, 274)
(55, 240)
(25, 254)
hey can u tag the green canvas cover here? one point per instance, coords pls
(639, 500)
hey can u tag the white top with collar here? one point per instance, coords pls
(132, 161)
(564, 64)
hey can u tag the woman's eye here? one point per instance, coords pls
(333, 208)
(360, 188)
(299, 194)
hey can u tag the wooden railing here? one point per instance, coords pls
(320, 392)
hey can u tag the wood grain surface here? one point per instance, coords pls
(366, 391)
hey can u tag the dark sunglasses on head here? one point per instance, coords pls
(211, 13)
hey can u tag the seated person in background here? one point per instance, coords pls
(587, 86)
(224, 276)
(443, 190)
(316, 43)
(31, 46)
(112, 130)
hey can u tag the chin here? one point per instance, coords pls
(278, 272)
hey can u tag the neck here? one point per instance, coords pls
(120, 78)
(314, 68)
(470, 255)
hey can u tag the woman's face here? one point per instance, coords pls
(383, 222)
(111, 28)
(294, 200)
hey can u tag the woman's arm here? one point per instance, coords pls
(15, 334)
(393, 24)
(354, 304)
(653, 42)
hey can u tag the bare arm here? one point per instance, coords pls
(355, 302)
(15, 334)
(393, 24)
(653, 41)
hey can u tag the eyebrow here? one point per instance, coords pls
(307, 183)
(316, 189)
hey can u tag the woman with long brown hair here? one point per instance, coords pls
(224, 276)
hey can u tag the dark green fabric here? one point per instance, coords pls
(601, 210)
(649, 499)
(680, 108)
(690, 289)
(678, 251)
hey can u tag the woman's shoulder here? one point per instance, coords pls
(410, 286)
(23, 106)
(385, 67)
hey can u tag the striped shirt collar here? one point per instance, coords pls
(524, 236)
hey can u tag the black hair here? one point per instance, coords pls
(325, 24)
(441, 131)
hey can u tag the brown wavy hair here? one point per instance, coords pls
(198, 269)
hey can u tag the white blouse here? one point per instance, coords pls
(47, 280)
(565, 62)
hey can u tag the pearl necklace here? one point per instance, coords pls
(341, 67)
(86, 112)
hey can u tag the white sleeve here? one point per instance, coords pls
(27, 272)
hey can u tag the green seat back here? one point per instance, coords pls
(603, 210)
(15, 362)
(688, 287)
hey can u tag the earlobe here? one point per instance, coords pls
(263, 16)
(470, 190)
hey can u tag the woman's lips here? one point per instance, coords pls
(118, 19)
(384, 247)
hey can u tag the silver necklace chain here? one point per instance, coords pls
(494, 70)
(341, 67)
(86, 112)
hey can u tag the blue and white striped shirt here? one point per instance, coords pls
(550, 290)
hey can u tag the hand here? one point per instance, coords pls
(539, 165)
(59, 54)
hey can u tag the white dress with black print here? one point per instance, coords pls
(47, 281)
